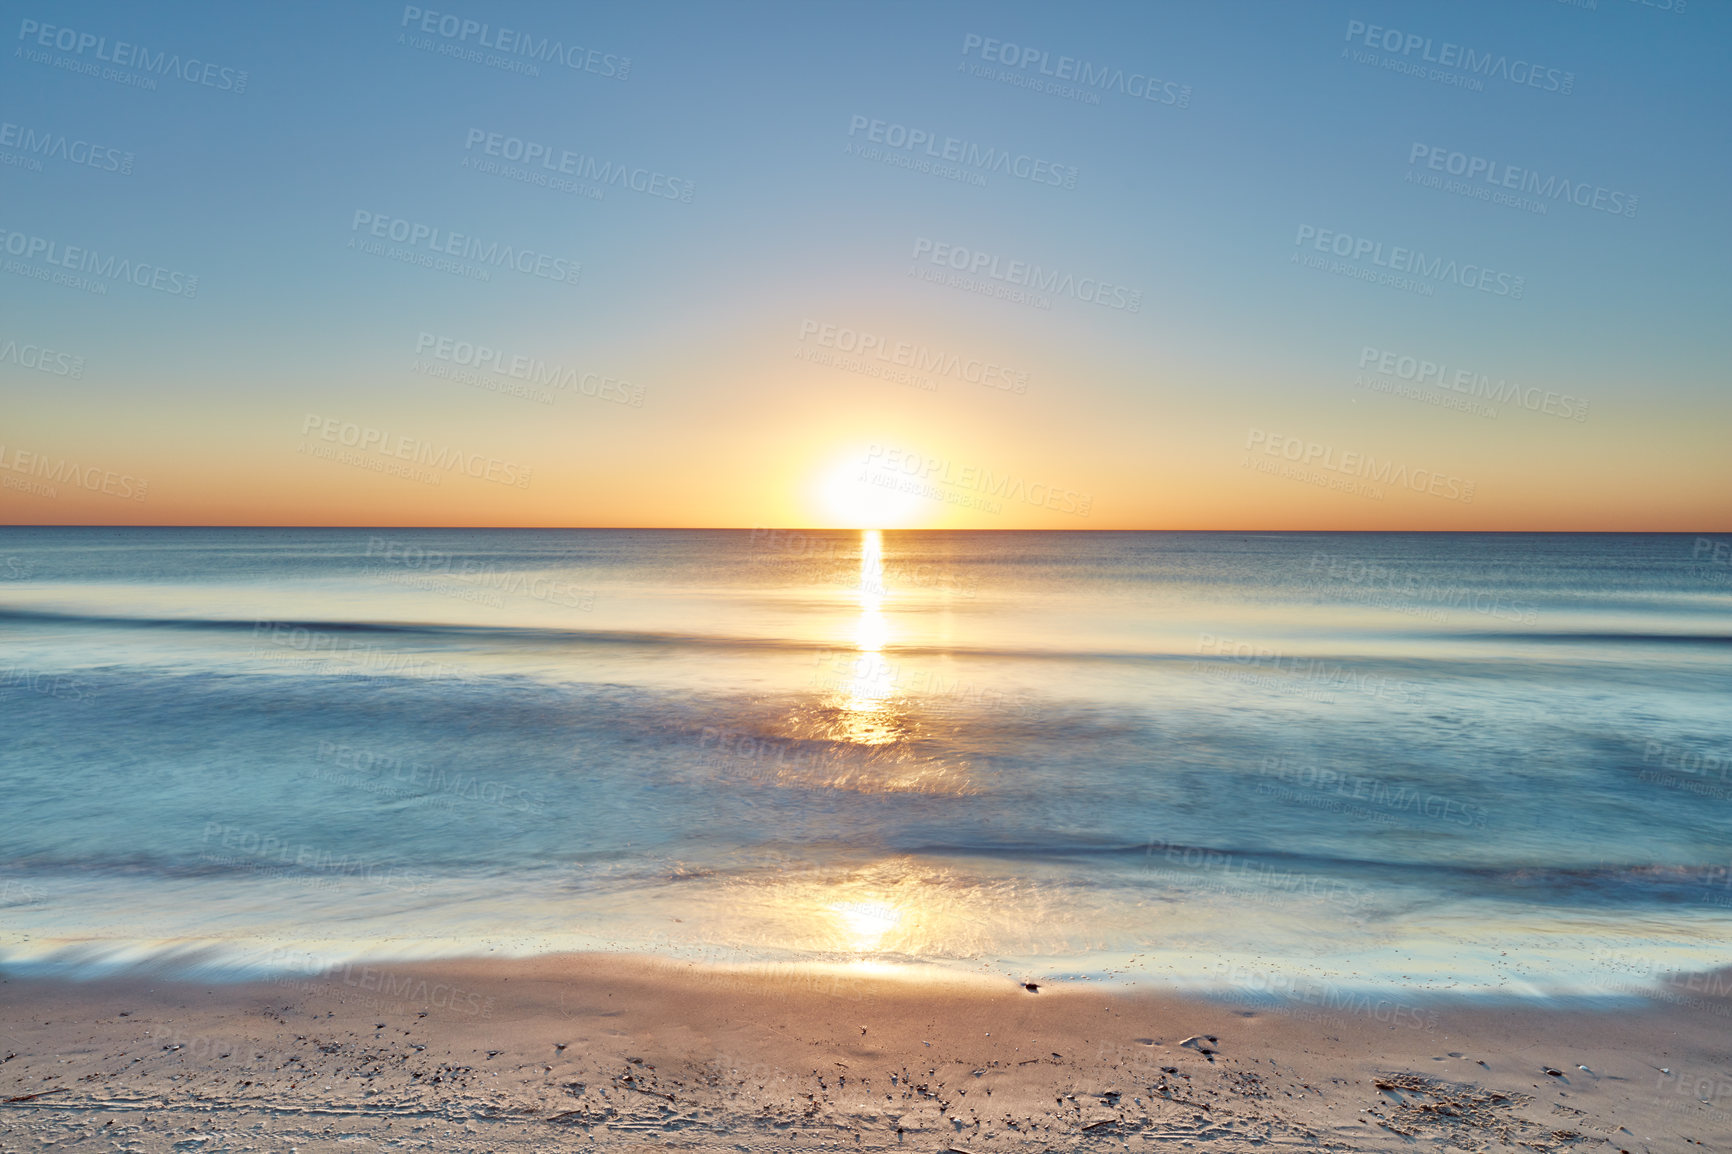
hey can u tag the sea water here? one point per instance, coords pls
(1486, 763)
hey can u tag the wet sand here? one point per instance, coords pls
(608, 1052)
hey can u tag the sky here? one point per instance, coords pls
(1362, 265)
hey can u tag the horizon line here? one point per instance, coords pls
(829, 529)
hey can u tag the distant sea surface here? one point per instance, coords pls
(1485, 763)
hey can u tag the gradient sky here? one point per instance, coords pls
(215, 408)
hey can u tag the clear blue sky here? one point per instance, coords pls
(701, 335)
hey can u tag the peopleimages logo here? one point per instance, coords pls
(984, 158)
(443, 242)
(366, 439)
(917, 357)
(1525, 180)
(1446, 54)
(42, 360)
(564, 162)
(1025, 275)
(1474, 384)
(1410, 261)
(513, 42)
(530, 370)
(1351, 463)
(61, 471)
(1401, 798)
(125, 55)
(58, 146)
(423, 778)
(940, 472)
(105, 267)
(1100, 77)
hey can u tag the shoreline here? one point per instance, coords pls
(599, 1051)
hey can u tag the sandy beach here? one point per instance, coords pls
(612, 1052)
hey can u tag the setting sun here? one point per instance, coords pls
(853, 495)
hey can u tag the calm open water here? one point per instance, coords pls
(1469, 762)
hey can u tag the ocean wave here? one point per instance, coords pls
(1583, 637)
(305, 633)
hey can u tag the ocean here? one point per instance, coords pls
(1488, 764)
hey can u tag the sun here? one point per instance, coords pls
(855, 495)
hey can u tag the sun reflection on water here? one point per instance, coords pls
(866, 923)
(873, 630)
(871, 723)
(897, 907)
(867, 709)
